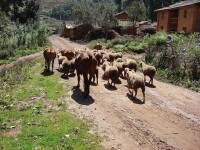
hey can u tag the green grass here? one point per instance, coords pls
(33, 112)
(18, 53)
(176, 77)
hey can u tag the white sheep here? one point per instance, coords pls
(111, 72)
(134, 82)
(60, 59)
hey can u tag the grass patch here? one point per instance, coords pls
(33, 112)
(177, 78)
(8, 57)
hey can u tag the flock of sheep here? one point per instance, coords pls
(87, 62)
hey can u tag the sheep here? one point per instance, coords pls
(111, 72)
(103, 52)
(126, 70)
(134, 82)
(131, 64)
(68, 53)
(98, 57)
(66, 64)
(119, 60)
(96, 74)
(148, 70)
(98, 46)
(119, 67)
(105, 63)
(112, 56)
(60, 59)
(49, 55)
(72, 65)
(85, 64)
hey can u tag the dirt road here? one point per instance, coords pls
(170, 118)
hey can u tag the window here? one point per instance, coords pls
(185, 14)
(163, 15)
(161, 27)
(184, 29)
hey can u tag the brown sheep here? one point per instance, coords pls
(98, 46)
(96, 75)
(148, 70)
(98, 57)
(72, 65)
(85, 64)
(49, 55)
(68, 53)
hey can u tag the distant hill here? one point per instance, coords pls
(49, 4)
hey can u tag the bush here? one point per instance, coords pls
(21, 39)
(92, 44)
(120, 48)
(136, 46)
(160, 38)
(6, 53)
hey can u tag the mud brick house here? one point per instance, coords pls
(76, 32)
(181, 16)
(122, 18)
(126, 27)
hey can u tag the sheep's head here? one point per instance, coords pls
(59, 54)
(141, 64)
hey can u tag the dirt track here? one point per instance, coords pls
(170, 118)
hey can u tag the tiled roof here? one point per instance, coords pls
(180, 4)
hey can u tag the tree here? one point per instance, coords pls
(100, 13)
(84, 12)
(62, 12)
(136, 11)
(20, 10)
(4, 21)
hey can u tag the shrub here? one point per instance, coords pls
(92, 44)
(120, 48)
(21, 38)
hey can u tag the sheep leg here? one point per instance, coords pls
(97, 77)
(48, 67)
(45, 64)
(129, 87)
(144, 78)
(132, 93)
(143, 97)
(52, 64)
(86, 84)
(108, 82)
(135, 92)
(78, 77)
(143, 91)
(93, 78)
(152, 81)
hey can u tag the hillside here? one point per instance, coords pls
(49, 4)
